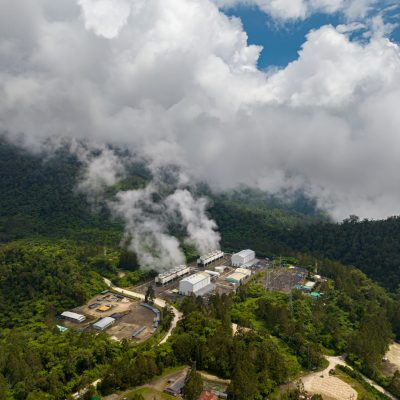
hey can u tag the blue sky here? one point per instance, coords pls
(281, 42)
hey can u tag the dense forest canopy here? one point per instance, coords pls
(55, 249)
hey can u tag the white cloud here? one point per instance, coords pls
(179, 84)
(105, 17)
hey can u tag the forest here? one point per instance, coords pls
(279, 337)
(45, 202)
(54, 251)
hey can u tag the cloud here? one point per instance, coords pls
(102, 168)
(178, 84)
(105, 17)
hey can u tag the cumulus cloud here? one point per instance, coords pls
(105, 17)
(177, 82)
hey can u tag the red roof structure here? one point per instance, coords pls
(206, 395)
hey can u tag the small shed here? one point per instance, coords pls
(73, 317)
(103, 323)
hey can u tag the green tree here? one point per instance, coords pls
(394, 385)
(128, 261)
(243, 384)
(39, 395)
(150, 294)
(5, 393)
(193, 385)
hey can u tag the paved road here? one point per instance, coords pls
(159, 302)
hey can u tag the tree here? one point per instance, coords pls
(128, 261)
(150, 294)
(193, 385)
(5, 393)
(394, 385)
(243, 384)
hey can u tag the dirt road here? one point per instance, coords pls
(328, 386)
(392, 362)
(333, 388)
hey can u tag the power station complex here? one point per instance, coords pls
(201, 282)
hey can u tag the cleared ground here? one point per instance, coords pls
(392, 364)
(154, 389)
(330, 387)
(129, 314)
(138, 317)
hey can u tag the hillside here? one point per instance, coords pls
(52, 258)
(39, 198)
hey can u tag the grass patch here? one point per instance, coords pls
(150, 394)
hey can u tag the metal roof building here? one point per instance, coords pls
(176, 387)
(243, 257)
(73, 317)
(172, 274)
(104, 323)
(206, 259)
(244, 271)
(194, 283)
(236, 277)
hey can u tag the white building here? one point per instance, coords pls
(172, 274)
(73, 317)
(206, 259)
(243, 257)
(194, 283)
(244, 271)
(104, 323)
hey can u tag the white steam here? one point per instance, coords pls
(192, 213)
(146, 220)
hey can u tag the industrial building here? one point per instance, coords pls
(175, 388)
(194, 283)
(244, 271)
(307, 287)
(172, 274)
(213, 274)
(103, 323)
(237, 277)
(243, 258)
(207, 259)
(73, 317)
